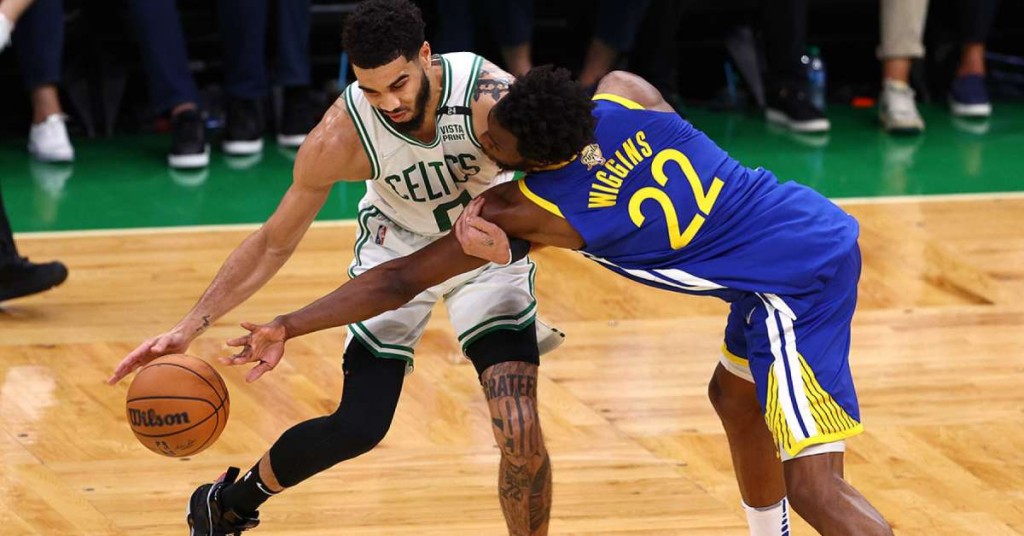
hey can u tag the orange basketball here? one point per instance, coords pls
(177, 405)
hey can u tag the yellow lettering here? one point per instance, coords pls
(629, 166)
(603, 188)
(645, 148)
(616, 168)
(632, 152)
(614, 182)
(599, 200)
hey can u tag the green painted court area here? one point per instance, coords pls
(124, 182)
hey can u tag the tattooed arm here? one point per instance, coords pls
(491, 86)
(524, 477)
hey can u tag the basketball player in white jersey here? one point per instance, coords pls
(408, 128)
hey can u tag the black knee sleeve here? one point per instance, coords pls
(504, 345)
(369, 398)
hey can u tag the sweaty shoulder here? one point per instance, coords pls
(633, 89)
(332, 151)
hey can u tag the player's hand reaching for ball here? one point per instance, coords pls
(171, 342)
(264, 345)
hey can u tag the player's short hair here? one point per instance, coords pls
(379, 31)
(549, 114)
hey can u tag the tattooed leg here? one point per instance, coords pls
(524, 479)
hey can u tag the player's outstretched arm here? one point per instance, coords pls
(382, 288)
(331, 153)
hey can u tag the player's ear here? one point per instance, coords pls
(425, 54)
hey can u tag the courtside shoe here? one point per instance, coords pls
(243, 128)
(897, 109)
(206, 516)
(791, 108)
(299, 116)
(189, 148)
(48, 140)
(968, 97)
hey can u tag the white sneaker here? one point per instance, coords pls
(897, 110)
(48, 141)
(548, 338)
(5, 31)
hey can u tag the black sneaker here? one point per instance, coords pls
(243, 127)
(189, 148)
(206, 516)
(23, 278)
(792, 109)
(299, 116)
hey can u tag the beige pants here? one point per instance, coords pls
(902, 28)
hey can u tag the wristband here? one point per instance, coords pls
(517, 249)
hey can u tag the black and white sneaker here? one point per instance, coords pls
(298, 117)
(23, 278)
(792, 109)
(243, 128)
(206, 516)
(189, 148)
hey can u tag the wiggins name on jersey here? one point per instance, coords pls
(657, 201)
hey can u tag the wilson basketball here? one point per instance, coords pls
(177, 405)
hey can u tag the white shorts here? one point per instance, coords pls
(479, 302)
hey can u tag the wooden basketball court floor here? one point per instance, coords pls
(636, 447)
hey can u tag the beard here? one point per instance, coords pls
(419, 110)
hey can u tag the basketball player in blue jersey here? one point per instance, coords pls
(408, 129)
(631, 185)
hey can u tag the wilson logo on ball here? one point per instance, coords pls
(151, 418)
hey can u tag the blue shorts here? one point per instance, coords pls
(800, 366)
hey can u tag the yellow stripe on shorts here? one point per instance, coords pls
(832, 421)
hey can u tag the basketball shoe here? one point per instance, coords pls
(207, 517)
(548, 338)
(21, 277)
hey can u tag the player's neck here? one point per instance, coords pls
(428, 130)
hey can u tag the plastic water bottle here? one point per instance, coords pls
(815, 75)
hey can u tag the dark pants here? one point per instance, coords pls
(39, 43)
(243, 29)
(618, 21)
(243, 26)
(163, 53)
(784, 24)
(455, 26)
(976, 17)
(8, 253)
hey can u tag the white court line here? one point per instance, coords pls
(937, 198)
(168, 230)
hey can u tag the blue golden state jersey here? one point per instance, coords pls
(657, 201)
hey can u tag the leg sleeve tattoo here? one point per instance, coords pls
(524, 480)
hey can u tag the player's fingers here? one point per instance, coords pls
(239, 341)
(484, 226)
(118, 374)
(474, 207)
(261, 368)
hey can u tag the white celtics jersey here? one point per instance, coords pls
(423, 187)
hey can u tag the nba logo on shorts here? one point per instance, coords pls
(381, 233)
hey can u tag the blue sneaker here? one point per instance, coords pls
(968, 97)
(207, 517)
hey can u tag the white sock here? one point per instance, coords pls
(768, 520)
